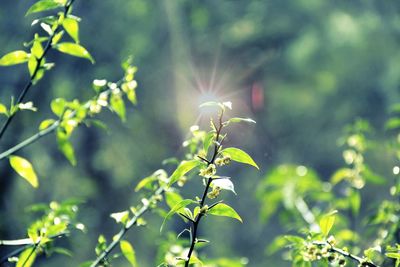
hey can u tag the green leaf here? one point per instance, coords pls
(37, 48)
(118, 105)
(144, 182)
(128, 251)
(175, 209)
(24, 168)
(45, 124)
(182, 169)
(26, 258)
(239, 155)
(208, 141)
(74, 50)
(71, 26)
(64, 145)
(172, 198)
(242, 120)
(221, 209)
(58, 106)
(3, 109)
(355, 201)
(13, 58)
(392, 123)
(43, 5)
(32, 64)
(341, 174)
(326, 222)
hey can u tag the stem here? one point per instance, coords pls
(33, 76)
(123, 230)
(347, 254)
(217, 147)
(25, 243)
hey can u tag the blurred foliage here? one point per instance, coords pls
(305, 69)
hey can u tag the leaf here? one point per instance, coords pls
(45, 124)
(74, 50)
(182, 169)
(355, 201)
(26, 258)
(24, 168)
(58, 106)
(3, 109)
(32, 64)
(144, 182)
(128, 251)
(239, 155)
(120, 217)
(118, 105)
(392, 123)
(64, 145)
(37, 48)
(13, 58)
(172, 198)
(176, 208)
(43, 5)
(241, 120)
(224, 183)
(341, 174)
(208, 140)
(221, 209)
(326, 222)
(71, 26)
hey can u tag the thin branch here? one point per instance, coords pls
(25, 243)
(217, 147)
(118, 237)
(347, 254)
(35, 72)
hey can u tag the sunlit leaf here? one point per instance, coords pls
(224, 183)
(27, 258)
(74, 50)
(222, 209)
(24, 168)
(128, 251)
(58, 106)
(13, 58)
(176, 208)
(65, 146)
(3, 109)
(120, 217)
(45, 124)
(208, 140)
(326, 222)
(43, 5)
(239, 155)
(182, 169)
(242, 120)
(355, 201)
(144, 182)
(71, 26)
(172, 198)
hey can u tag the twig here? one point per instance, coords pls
(359, 260)
(125, 229)
(200, 215)
(33, 76)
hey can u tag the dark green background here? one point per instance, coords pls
(319, 64)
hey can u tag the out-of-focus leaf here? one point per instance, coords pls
(128, 251)
(118, 105)
(26, 258)
(43, 5)
(326, 222)
(13, 58)
(24, 168)
(176, 208)
(74, 50)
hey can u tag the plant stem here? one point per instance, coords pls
(35, 71)
(196, 222)
(347, 254)
(124, 229)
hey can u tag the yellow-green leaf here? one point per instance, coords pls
(24, 168)
(45, 124)
(64, 145)
(176, 208)
(182, 169)
(43, 5)
(128, 251)
(221, 209)
(326, 222)
(13, 58)
(74, 50)
(118, 105)
(71, 26)
(239, 155)
(3, 109)
(26, 258)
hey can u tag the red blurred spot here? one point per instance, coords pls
(257, 96)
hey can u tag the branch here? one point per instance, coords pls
(198, 218)
(118, 237)
(33, 76)
(25, 243)
(359, 260)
